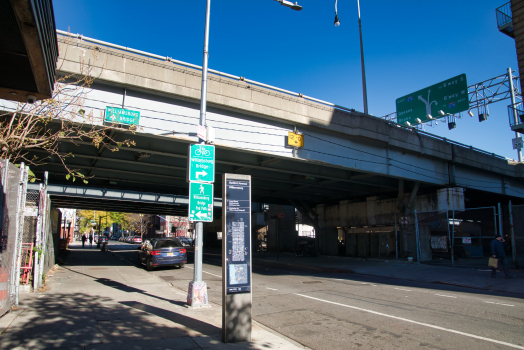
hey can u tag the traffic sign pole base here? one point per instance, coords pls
(197, 294)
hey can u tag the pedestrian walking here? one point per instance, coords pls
(84, 239)
(90, 240)
(497, 251)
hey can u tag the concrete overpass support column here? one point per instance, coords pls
(328, 241)
(282, 234)
(351, 242)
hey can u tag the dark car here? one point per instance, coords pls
(102, 239)
(162, 252)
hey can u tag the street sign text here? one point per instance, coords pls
(449, 96)
(201, 163)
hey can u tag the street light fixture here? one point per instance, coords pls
(364, 89)
(294, 6)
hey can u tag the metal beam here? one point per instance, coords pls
(114, 194)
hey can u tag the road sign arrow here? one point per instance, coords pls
(200, 173)
(201, 215)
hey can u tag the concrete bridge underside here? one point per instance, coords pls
(348, 157)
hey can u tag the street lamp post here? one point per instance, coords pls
(197, 283)
(364, 89)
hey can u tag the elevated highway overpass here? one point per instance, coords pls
(348, 157)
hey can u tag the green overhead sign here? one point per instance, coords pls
(449, 96)
(200, 202)
(201, 163)
(121, 116)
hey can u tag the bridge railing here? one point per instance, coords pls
(504, 14)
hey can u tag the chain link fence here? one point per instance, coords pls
(463, 237)
(517, 224)
(9, 203)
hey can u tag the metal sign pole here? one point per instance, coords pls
(197, 294)
(515, 117)
(512, 231)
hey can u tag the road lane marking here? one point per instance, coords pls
(416, 322)
(271, 288)
(209, 273)
(407, 290)
(491, 302)
(447, 296)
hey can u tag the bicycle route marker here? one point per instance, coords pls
(201, 163)
(200, 202)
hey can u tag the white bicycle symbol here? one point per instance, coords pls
(201, 151)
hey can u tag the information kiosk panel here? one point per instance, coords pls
(238, 236)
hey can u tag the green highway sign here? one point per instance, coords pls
(200, 202)
(450, 96)
(121, 116)
(201, 163)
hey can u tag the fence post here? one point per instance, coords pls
(396, 236)
(38, 243)
(452, 239)
(22, 193)
(45, 232)
(449, 236)
(495, 219)
(500, 220)
(417, 237)
(512, 232)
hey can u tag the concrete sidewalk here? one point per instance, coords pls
(98, 300)
(470, 277)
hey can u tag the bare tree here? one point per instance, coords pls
(29, 129)
(140, 223)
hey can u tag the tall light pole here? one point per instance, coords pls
(199, 226)
(364, 89)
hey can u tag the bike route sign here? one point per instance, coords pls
(201, 163)
(200, 202)
(450, 96)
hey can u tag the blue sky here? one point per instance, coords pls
(408, 45)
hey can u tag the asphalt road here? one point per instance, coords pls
(345, 311)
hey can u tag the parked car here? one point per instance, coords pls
(162, 252)
(129, 239)
(186, 241)
(121, 239)
(114, 237)
(137, 239)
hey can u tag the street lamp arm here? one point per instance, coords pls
(294, 6)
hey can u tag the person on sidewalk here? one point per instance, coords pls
(84, 239)
(90, 240)
(497, 251)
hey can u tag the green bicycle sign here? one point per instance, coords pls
(201, 163)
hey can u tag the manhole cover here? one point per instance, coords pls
(311, 282)
(98, 268)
